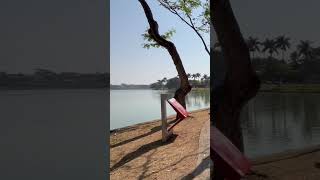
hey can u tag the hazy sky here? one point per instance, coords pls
(130, 63)
(71, 35)
(62, 35)
(269, 18)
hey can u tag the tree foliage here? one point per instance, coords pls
(196, 81)
(194, 13)
(150, 42)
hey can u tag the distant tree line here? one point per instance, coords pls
(43, 78)
(129, 86)
(196, 80)
(301, 65)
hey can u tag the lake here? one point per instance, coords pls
(129, 107)
(53, 134)
(274, 122)
(50, 127)
(271, 122)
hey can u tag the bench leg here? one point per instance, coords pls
(164, 124)
(166, 134)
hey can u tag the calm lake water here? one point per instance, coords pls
(46, 129)
(271, 122)
(274, 122)
(52, 134)
(128, 107)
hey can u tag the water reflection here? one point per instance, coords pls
(274, 122)
(195, 99)
(144, 105)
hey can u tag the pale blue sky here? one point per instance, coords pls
(132, 64)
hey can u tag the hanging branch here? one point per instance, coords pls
(190, 22)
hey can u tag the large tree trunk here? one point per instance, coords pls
(185, 87)
(241, 82)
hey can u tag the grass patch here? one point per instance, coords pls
(291, 88)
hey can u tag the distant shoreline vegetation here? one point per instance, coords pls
(128, 86)
(196, 80)
(47, 79)
(275, 65)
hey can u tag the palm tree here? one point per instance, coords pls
(305, 49)
(316, 52)
(253, 45)
(193, 76)
(205, 77)
(189, 75)
(283, 43)
(294, 56)
(270, 46)
(164, 80)
(198, 75)
(160, 84)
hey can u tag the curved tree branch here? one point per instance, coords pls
(191, 24)
(185, 87)
(240, 83)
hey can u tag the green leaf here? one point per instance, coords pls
(150, 42)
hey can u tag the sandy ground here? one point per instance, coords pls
(137, 152)
(204, 163)
(302, 164)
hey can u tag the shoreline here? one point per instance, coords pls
(135, 126)
(263, 159)
(284, 155)
(137, 151)
(290, 88)
(293, 164)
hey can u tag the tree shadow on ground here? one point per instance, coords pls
(142, 150)
(145, 165)
(205, 163)
(143, 176)
(153, 130)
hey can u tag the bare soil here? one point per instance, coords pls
(303, 164)
(138, 152)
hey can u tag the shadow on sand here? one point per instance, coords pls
(141, 150)
(153, 130)
(205, 163)
(145, 166)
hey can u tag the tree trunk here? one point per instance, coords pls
(241, 82)
(185, 87)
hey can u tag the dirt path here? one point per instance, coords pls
(303, 164)
(204, 163)
(137, 152)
